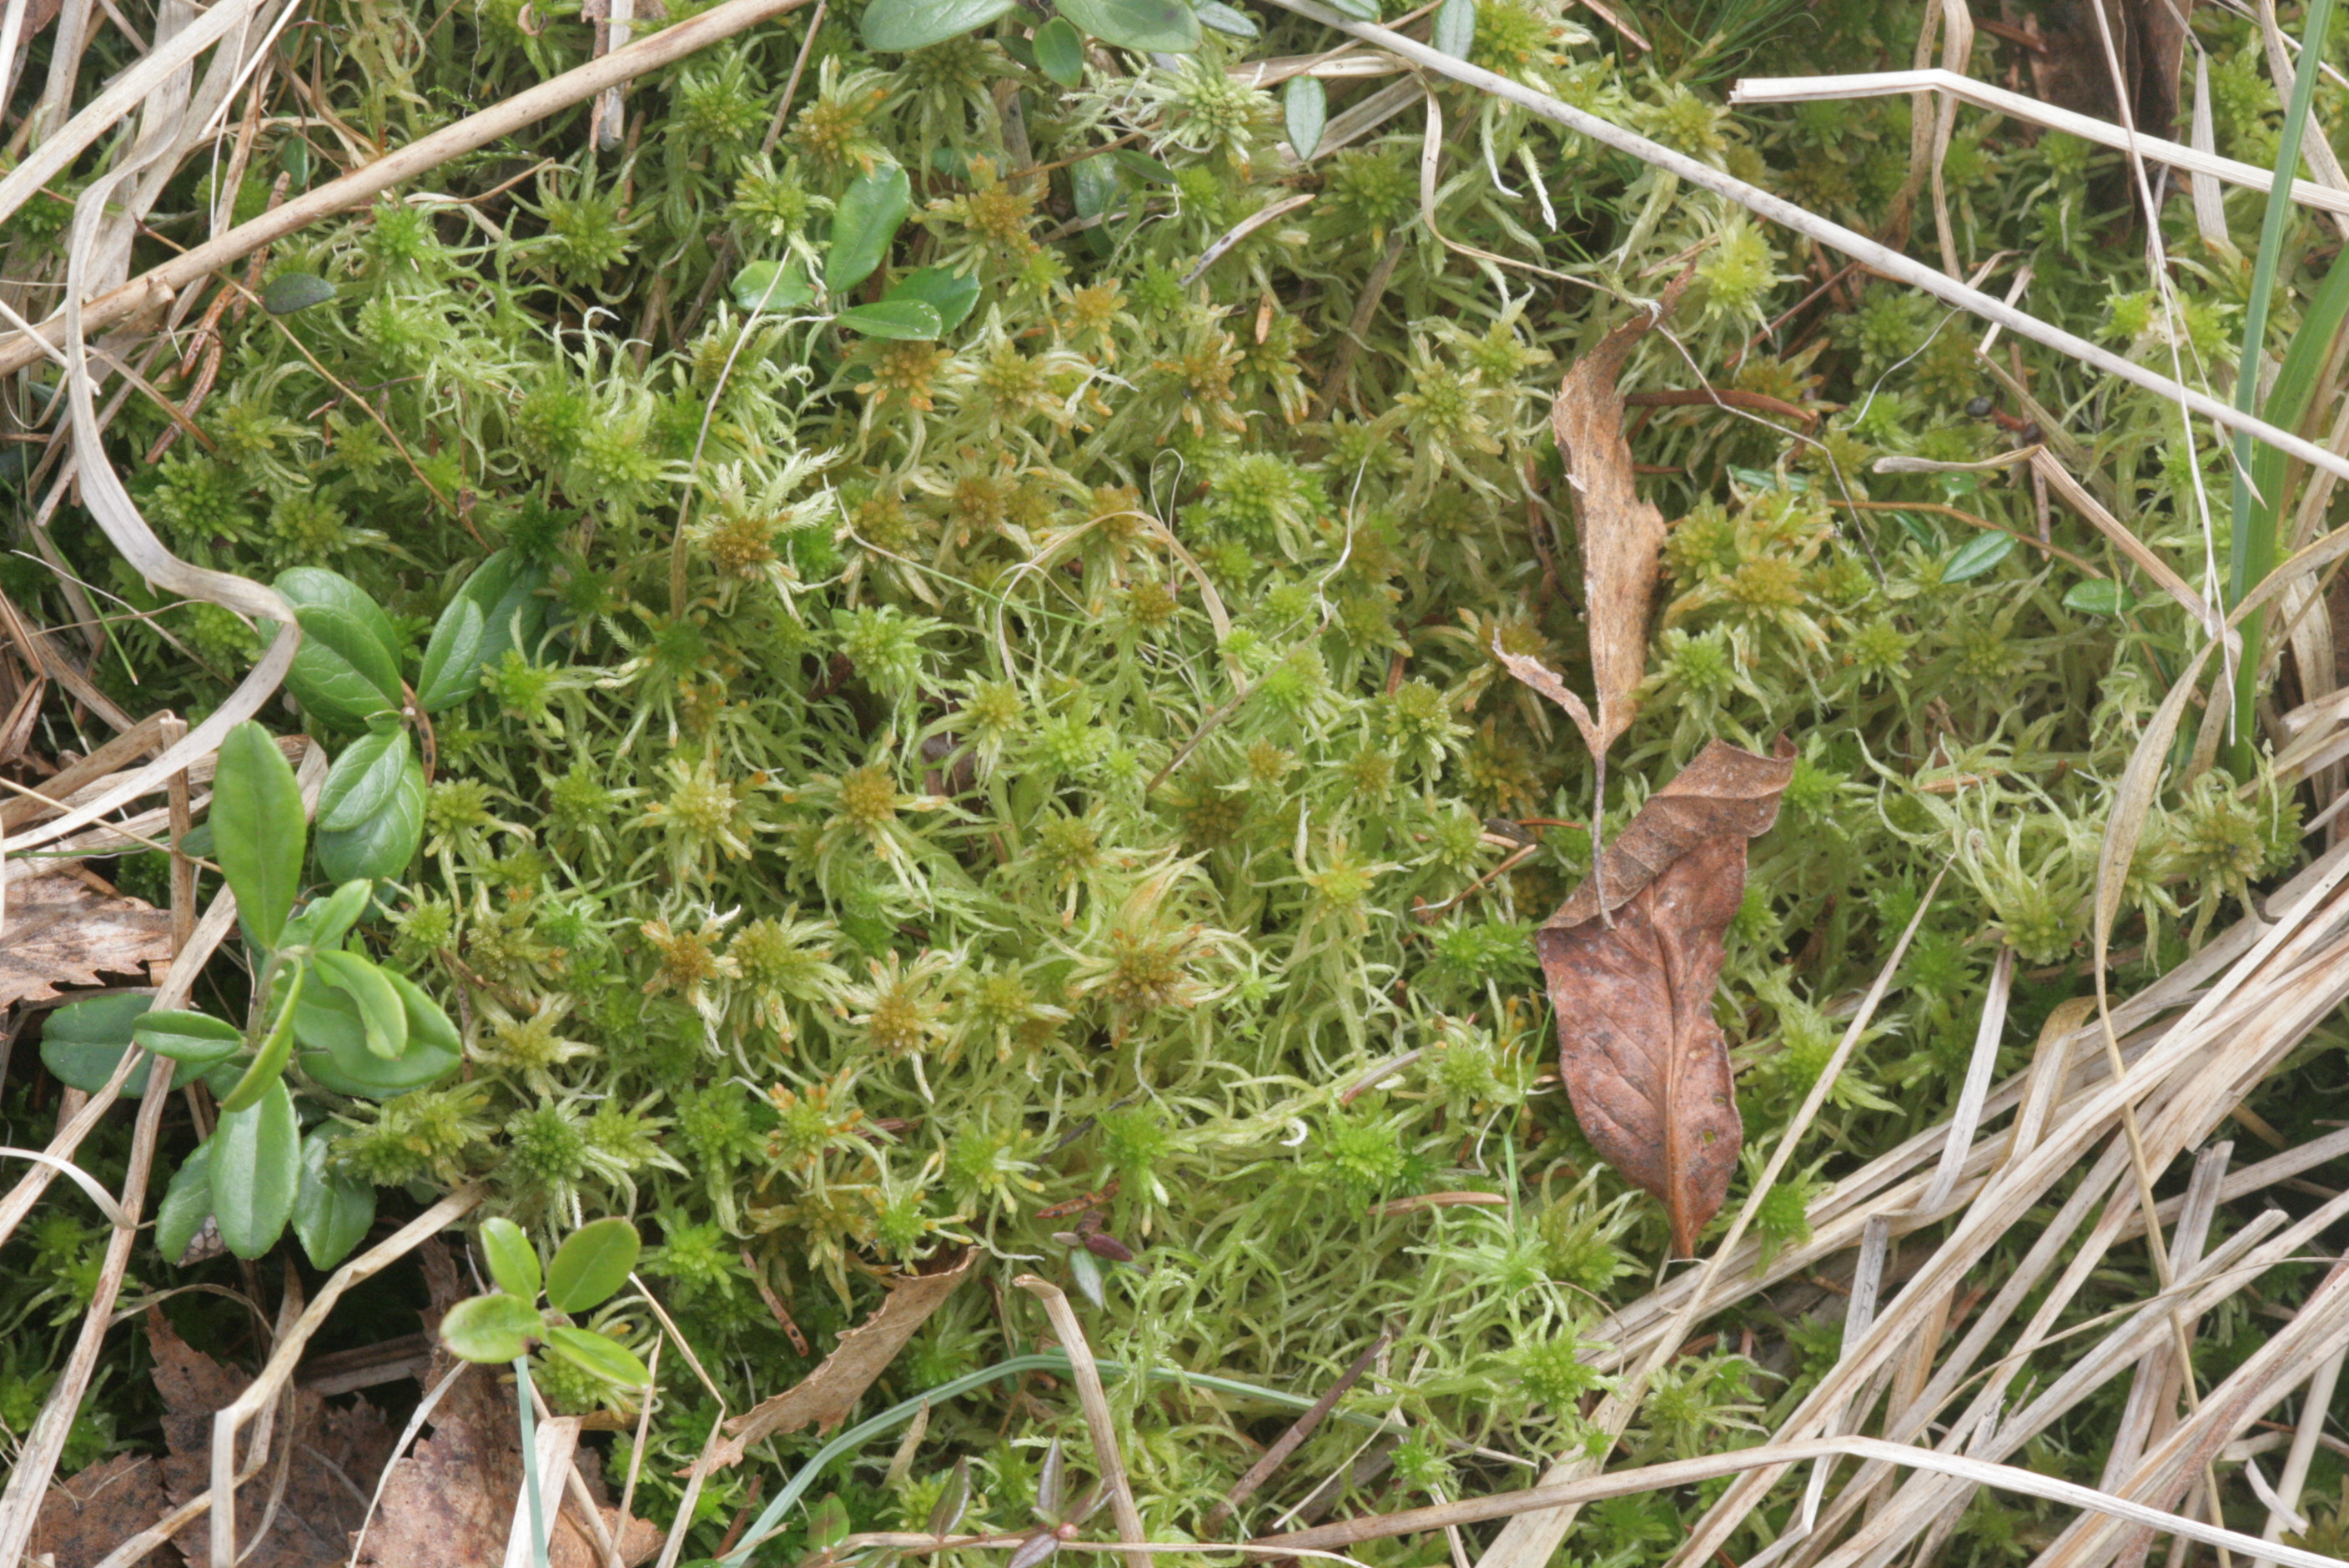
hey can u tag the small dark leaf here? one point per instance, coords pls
(1060, 52)
(1305, 105)
(333, 1211)
(1144, 25)
(289, 292)
(894, 318)
(871, 212)
(891, 27)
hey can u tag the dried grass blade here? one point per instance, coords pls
(1103, 1425)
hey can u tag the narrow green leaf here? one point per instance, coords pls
(290, 291)
(1305, 105)
(598, 1356)
(512, 1261)
(951, 295)
(451, 670)
(197, 1038)
(334, 1050)
(381, 1012)
(2096, 597)
(187, 1204)
(258, 830)
(1144, 25)
(870, 213)
(384, 844)
(892, 26)
(427, 1025)
(333, 1211)
(592, 1264)
(1978, 555)
(324, 921)
(256, 1166)
(1228, 20)
(1142, 167)
(894, 318)
(1455, 28)
(492, 1329)
(1060, 52)
(276, 1049)
(774, 286)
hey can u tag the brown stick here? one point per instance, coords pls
(361, 185)
(1299, 1431)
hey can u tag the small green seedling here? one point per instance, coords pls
(508, 1323)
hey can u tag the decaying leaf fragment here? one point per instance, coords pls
(825, 1396)
(1621, 533)
(58, 931)
(1633, 983)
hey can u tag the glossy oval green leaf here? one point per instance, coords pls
(256, 1167)
(1060, 52)
(451, 670)
(1145, 24)
(324, 921)
(907, 319)
(2096, 597)
(333, 1051)
(427, 1025)
(384, 844)
(341, 673)
(289, 292)
(333, 1210)
(187, 1204)
(1978, 555)
(1305, 105)
(951, 295)
(598, 1356)
(194, 1037)
(871, 212)
(258, 830)
(512, 1262)
(1455, 28)
(891, 27)
(592, 1264)
(382, 1014)
(347, 669)
(1228, 20)
(492, 1329)
(276, 1049)
(82, 1042)
(363, 780)
(506, 588)
(774, 286)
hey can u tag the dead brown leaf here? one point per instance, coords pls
(1622, 532)
(2071, 68)
(322, 1460)
(88, 1515)
(825, 1395)
(58, 931)
(449, 1502)
(1633, 982)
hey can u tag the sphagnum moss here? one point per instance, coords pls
(1031, 796)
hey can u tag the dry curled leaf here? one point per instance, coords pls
(825, 1396)
(1645, 1063)
(87, 1515)
(59, 930)
(1622, 534)
(329, 1452)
